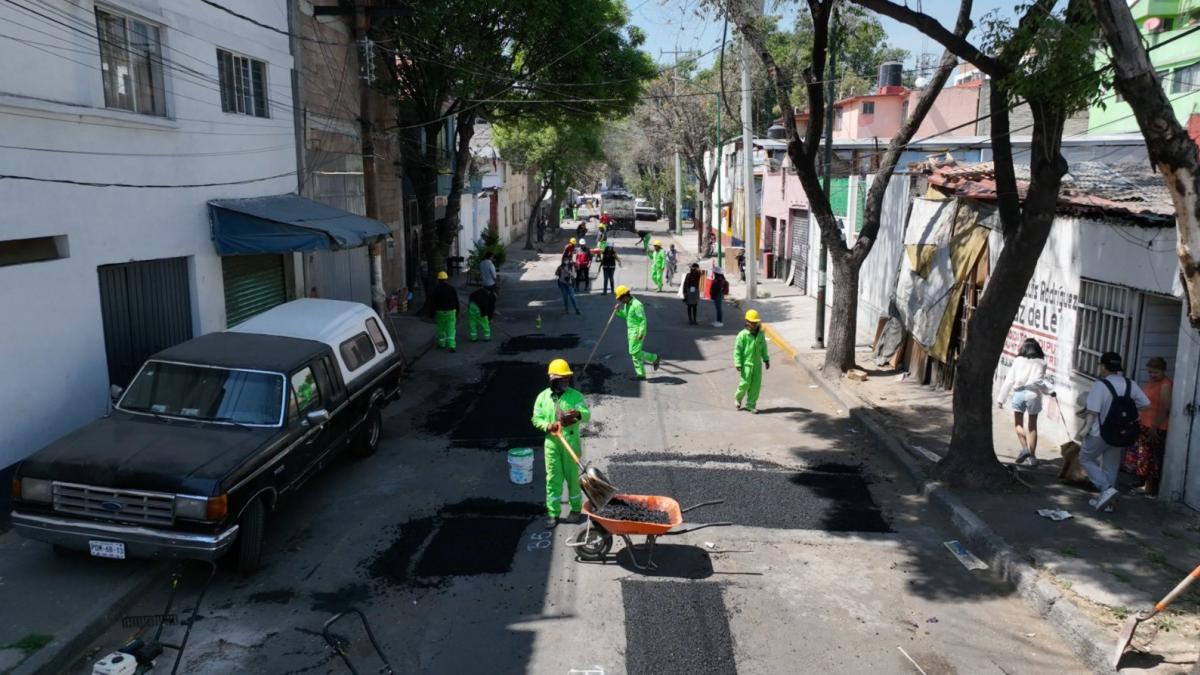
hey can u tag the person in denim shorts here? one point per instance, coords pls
(1027, 382)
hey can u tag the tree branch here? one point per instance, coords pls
(958, 44)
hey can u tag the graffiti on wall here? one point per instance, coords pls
(1047, 309)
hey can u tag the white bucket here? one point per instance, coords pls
(520, 465)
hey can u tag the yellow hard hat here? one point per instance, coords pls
(572, 240)
(442, 276)
(560, 368)
(657, 242)
(752, 316)
(602, 226)
(622, 290)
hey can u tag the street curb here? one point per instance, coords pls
(1091, 643)
(56, 656)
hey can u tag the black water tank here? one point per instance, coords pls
(890, 74)
(777, 132)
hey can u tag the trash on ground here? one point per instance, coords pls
(964, 556)
(1054, 514)
(932, 619)
(857, 375)
(709, 544)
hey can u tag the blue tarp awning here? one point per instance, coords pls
(287, 223)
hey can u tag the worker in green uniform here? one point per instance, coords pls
(749, 357)
(481, 305)
(634, 312)
(658, 264)
(445, 312)
(560, 409)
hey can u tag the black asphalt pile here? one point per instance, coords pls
(618, 509)
(538, 342)
(696, 458)
(602, 380)
(676, 627)
(834, 502)
(476, 536)
(493, 413)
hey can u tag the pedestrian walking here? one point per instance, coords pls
(717, 290)
(568, 253)
(566, 284)
(691, 293)
(672, 261)
(603, 237)
(608, 266)
(1110, 426)
(750, 357)
(583, 267)
(633, 312)
(1144, 460)
(741, 261)
(445, 312)
(560, 409)
(581, 230)
(658, 264)
(481, 305)
(1027, 382)
(488, 277)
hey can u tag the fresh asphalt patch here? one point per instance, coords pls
(538, 342)
(495, 412)
(786, 500)
(473, 537)
(676, 627)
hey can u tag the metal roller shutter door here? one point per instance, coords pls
(800, 250)
(253, 284)
(145, 307)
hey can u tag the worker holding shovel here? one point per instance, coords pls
(749, 357)
(634, 312)
(559, 411)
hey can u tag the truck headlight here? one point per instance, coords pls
(201, 508)
(36, 490)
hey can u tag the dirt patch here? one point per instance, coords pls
(538, 342)
(676, 627)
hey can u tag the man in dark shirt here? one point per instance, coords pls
(445, 312)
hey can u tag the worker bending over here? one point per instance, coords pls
(749, 357)
(634, 312)
(560, 409)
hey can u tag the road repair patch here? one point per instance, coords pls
(676, 627)
(494, 412)
(538, 342)
(788, 500)
(476, 536)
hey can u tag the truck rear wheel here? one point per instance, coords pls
(251, 529)
(369, 432)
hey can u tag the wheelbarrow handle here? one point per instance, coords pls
(698, 527)
(715, 501)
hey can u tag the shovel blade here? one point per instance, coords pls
(1123, 639)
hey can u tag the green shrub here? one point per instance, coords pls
(489, 242)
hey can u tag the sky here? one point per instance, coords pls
(674, 25)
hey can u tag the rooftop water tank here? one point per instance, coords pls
(890, 74)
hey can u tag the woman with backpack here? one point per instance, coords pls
(1027, 382)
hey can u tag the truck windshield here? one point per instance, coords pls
(206, 394)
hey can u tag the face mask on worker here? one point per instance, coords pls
(752, 327)
(558, 385)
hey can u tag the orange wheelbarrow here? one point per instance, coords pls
(595, 540)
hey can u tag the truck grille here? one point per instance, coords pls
(134, 506)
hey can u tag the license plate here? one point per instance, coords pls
(107, 549)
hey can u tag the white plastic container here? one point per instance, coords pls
(520, 465)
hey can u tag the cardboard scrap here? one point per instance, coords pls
(1054, 514)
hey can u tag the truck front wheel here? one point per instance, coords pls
(251, 529)
(369, 433)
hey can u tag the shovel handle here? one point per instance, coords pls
(1177, 591)
(567, 447)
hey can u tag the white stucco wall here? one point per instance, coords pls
(55, 375)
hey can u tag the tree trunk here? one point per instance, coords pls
(464, 130)
(1171, 150)
(843, 314)
(971, 461)
(534, 213)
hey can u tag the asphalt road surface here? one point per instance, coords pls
(832, 564)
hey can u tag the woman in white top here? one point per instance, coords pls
(1026, 380)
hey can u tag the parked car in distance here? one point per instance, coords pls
(647, 212)
(211, 433)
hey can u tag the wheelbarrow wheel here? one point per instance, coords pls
(597, 544)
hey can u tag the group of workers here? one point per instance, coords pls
(481, 306)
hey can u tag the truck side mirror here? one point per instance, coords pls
(317, 417)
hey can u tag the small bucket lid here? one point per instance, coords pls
(520, 452)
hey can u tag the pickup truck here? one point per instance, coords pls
(646, 211)
(210, 434)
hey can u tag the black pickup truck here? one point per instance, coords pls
(211, 433)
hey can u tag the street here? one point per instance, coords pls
(833, 562)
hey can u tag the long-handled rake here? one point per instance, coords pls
(1126, 635)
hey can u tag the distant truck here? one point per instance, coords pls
(211, 433)
(621, 209)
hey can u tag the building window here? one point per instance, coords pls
(243, 84)
(868, 108)
(1103, 321)
(34, 249)
(1186, 79)
(130, 64)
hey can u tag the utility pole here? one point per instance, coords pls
(362, 34)
(678, 159)
(750, 232)
(823, 262)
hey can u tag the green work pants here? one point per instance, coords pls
(446, 319)
(640, 357)
(750, 384)
(477, 323)
(560, 467)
